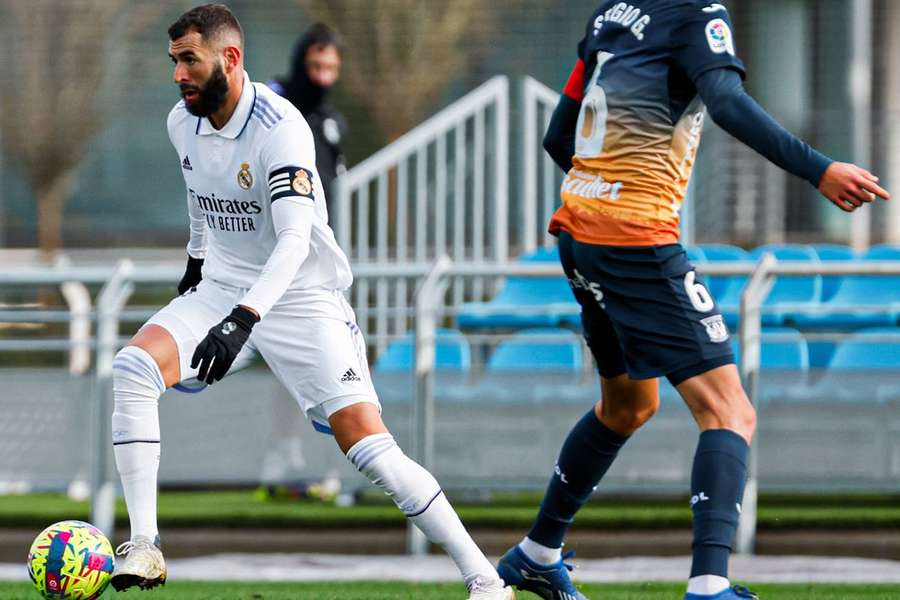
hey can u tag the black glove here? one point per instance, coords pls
(220, 347)
(192, 275)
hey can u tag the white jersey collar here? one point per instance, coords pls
(239, 119)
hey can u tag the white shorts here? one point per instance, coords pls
(310, 341)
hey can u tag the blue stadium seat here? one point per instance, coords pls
(523, 302)
(723, 253)
(783, 348)
(393, 377)
(877, 296)
(832, 252)
(542, 255)
(695, 254)
(451, 352)
(534, 366)
(871, 349)
(789, 294)
(863, 366)
(538, 350)
(820, 352)
(784, 364)
(726, 289)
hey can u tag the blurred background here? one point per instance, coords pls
(89, 177)
(86, 86)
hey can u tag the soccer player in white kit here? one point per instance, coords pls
(264, 274)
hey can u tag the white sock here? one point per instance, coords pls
(416, 492)
(707, 585)
(137, 386)
(542, 555)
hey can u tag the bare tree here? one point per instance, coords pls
(401, 53)
(56, 58)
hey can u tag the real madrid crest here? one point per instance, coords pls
(302, 183)
(245, 179)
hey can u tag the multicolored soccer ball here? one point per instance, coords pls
(70, 560)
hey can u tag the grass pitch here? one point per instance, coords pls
(410, 591)
(246, 508)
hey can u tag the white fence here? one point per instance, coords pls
(443, 188)
(541, 176)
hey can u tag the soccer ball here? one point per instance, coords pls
(70, 560)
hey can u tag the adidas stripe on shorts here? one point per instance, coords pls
(310, 341)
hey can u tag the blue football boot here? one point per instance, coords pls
(550, 582)
(733, 593)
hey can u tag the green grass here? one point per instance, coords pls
(245, 509)
(409, 591)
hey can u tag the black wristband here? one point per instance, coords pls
(244, 317)
(194, 266)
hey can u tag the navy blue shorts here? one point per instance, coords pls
(644, 311)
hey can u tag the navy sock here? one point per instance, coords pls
(717, 489)
(585, 457)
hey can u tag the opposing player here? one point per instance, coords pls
(626, 131)
(264, 273)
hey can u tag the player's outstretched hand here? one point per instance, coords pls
(849, 186)
(220, 347)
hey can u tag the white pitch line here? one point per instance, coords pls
(333, 567)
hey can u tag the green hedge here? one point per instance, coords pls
(251, 509)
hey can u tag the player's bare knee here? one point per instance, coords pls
(626, 417)
(749, 420)
(739, 411)
(159, 344)
(645, 411)
(355, 423)
(729, 409)
(627, 405)
(625, 424)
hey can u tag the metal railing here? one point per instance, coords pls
(77, 315)
(541, 176)
(442, 188)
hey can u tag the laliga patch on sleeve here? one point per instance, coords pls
(291, 181)
(718, 34)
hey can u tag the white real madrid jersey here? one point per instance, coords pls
(234, 175)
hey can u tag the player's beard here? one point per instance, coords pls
(210, 97)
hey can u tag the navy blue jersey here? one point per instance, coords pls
(641, 119)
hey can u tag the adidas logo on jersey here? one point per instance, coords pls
(186, 164)
(349, 376)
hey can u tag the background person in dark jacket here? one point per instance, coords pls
(315, 68)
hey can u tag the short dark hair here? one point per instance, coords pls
(209, 20)
(320, 34)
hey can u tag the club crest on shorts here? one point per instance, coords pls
(715, 329)
(302, 182)
(244, 178)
